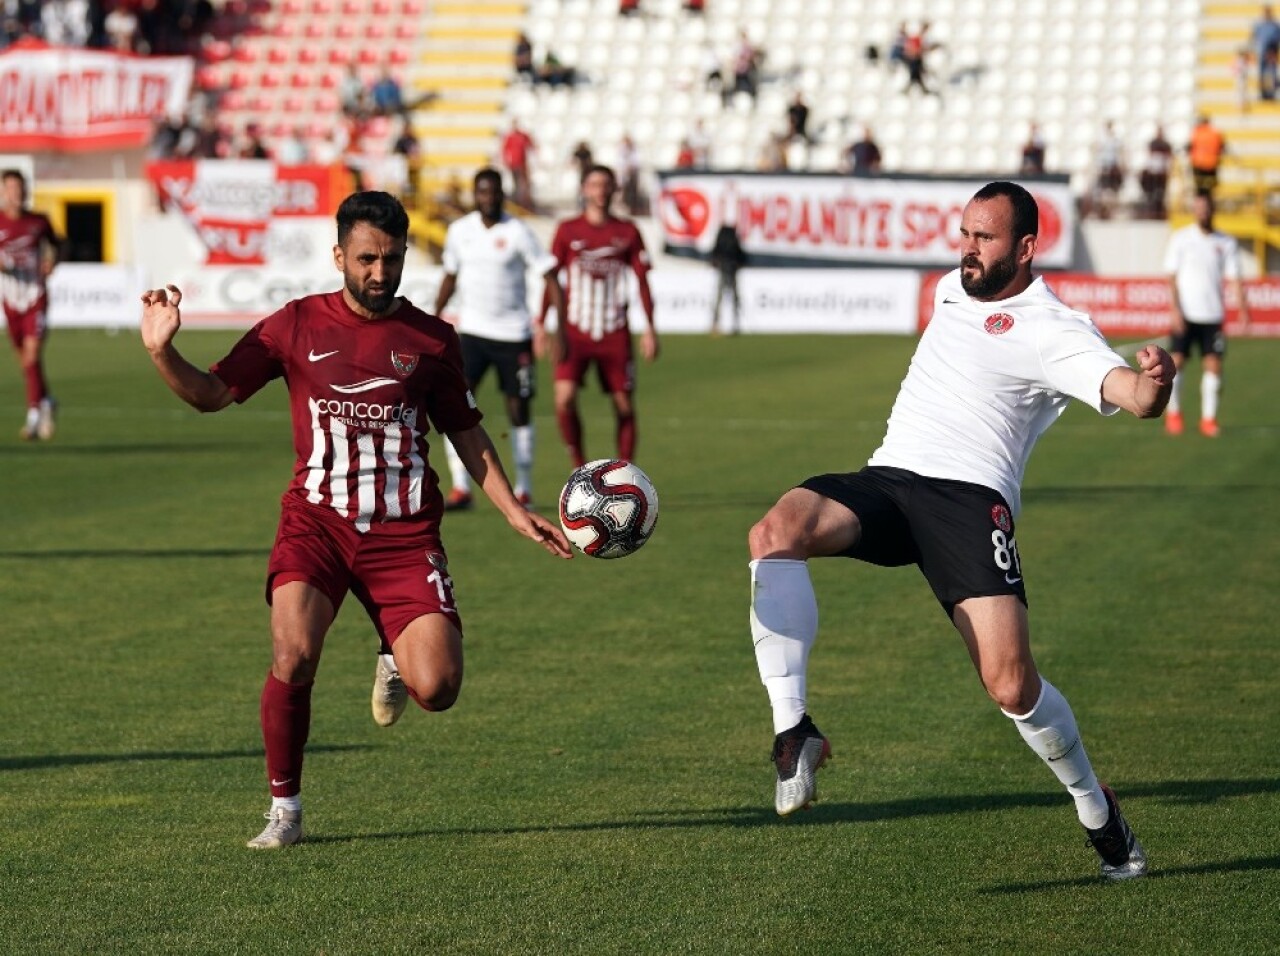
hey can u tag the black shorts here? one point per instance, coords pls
(961, 535)
(513, 362)
(1205, 336)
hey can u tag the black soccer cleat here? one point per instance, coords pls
(1121, 853)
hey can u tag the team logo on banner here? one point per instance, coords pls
(404, 363)
(998, 324)
(1001, 518)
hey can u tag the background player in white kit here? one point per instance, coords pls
(1199, 260)
(995, 368)
(487, 254)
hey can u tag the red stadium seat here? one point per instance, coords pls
(382, 8)
(339, 55)
(231, 101)
(245, 53)
(270, 79)
(300, 80)
(294, 104)
(216, 51)
(375, 30)
(321, 8)
(412, 8)
(314, 30)
(406, 30)
(399, 56)
(286, 28)
(292, 8)
(326, 103)
(369, 56)
(352, 8)
(278, 53)
(210, 78)
(344, 30)
(308, 54)
(240, 78)
(330, 79)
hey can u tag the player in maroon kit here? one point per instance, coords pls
(28, 253)
(368, 375)
(595, 251)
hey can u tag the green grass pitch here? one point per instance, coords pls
(603, 785)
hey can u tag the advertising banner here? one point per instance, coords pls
(74, 100)
(94, 295)
(231, 203)
(1139, 307)
(881, 220)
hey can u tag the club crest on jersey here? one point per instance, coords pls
(404, 363)
(1001, 518)
(998, 324)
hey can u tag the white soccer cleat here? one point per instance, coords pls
(798, 754)
(389, 693)
(284, 828)
(47, 423)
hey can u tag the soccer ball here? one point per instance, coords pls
(608, 508)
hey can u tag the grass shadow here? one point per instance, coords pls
(115, 554)
(44, 761)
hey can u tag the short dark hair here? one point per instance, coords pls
(14, 174)
(491, 174)
(380, 210)
(600, 168)
(1026, 214)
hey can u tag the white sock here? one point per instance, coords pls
(522, 455)
(1050, 730)
(292, 804)
(1210, 386)
(784, 623)
(457, 470)
(390, 661)
(1175, 396)
(33, 416)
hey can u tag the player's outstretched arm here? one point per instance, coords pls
(1144, 392)
(161, 320)
(476, 450)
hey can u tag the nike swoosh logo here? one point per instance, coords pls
(313, 356)
(364, 386)
(950, 301)
(280, 783)
(1009, 580)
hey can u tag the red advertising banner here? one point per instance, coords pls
(73, 100)
(878, 220)
(230, 203)
(1133, 307)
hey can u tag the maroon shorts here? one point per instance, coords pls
(397, 578)
(29, 323)
(611, 356)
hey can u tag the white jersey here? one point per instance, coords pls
(986, 381)
(492, 294)
(1200, 261)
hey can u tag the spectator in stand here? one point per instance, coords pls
(406, 143)
(254, 147)
(798, 119)
(386, 95)
(165, 139)
(65, 22)
(627, 8)
(517, 148)
(915, 48)
(1205, 152)
(1240, 73)
(746, 68)
(898, 48)
(582, 159)
(1265, 37)
(121, 26)
(863, 157)
(212, 140)
(1033, 153)
(522, 59)
(554, 73)
(773, 154)
(1110, 171)
(684, 155)
(293, 150)
(629, 175)
(695, 6)
(352, 93)
(1154, 178)
(700, 143)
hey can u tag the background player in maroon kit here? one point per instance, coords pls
(28, 253)
(365, 370)
(595, 251)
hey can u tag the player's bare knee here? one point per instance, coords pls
(436, 694)
(1008, 691)
(774, 536)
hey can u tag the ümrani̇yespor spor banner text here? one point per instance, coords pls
(73, 100)
(1139, 307)
(879, 220)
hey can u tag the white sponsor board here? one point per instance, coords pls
(788, 300)
(93, 295)
(870, 220)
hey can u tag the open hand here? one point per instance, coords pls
(160, 317)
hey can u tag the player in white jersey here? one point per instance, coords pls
(995, 368)
(369, 376)
(487, 254)
(1199, 261)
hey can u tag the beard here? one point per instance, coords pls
(989, 280)
(376, 301)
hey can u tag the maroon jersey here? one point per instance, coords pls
(22, 287)
(360, 392)
(597, 260)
